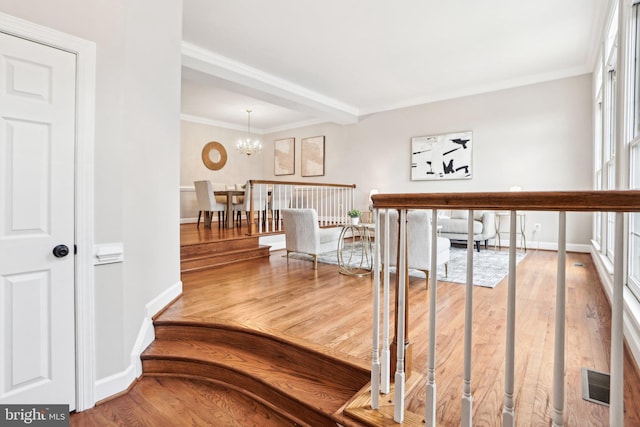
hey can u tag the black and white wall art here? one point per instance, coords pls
(445, 156)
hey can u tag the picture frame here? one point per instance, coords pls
(284, 156)
(312, 156)
(443, 156)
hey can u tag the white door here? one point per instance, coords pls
(37, 143)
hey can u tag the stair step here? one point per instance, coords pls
(247, 370)
(216, 259)
(219, 246)
(303, 383)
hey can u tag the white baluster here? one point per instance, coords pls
(401, 272)
(558, 364)
(386, 358)
(430, 404)
(375, 362)
(508, 411)
(616, 408)
(467, 398)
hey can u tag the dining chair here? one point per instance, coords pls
(237, 204)
(207, 202)
(260, 201)
(280, 199)
(217, 186)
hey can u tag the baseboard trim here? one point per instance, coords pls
(547, 246)
(117, 383)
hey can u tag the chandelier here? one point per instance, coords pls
(248, 145)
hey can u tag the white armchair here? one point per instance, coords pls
(304, 235)
(418, 242)
(455, 226)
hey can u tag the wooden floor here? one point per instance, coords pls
(325, 308)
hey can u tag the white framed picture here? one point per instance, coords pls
(444, 156)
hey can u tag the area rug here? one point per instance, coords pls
(489, 266)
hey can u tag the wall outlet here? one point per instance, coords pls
(537, 227)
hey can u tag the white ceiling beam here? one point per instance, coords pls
(250, 81)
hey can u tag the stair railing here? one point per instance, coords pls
(620, 202)
(331, 201)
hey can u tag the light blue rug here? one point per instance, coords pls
(489, 266)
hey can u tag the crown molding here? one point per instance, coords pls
(232, 126)
(480, 89)
(268, 87)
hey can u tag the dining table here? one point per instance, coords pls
(229, 194)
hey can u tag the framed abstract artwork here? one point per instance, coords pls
(284, 156)
(444, 156)
(312, 156)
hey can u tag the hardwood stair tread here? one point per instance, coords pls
(302, 384)
(217, 259)
(208, 255)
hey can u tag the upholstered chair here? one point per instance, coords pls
(280, 199)
(304, 235)
(260, 201)
(454, 225)
(418, 242)
(237, 204)
(207, 202)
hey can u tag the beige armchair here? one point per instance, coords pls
(454, 226)
(304, 235)
(418, 242)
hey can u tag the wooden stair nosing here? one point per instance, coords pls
(216, 260)
(293, 353)
(165, 327)
(218, 246)
(259, 364)
(289, 403)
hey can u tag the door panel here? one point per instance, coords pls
(37, 143)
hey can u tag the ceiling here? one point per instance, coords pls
(298, 62)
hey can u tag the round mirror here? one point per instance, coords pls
(214, 156)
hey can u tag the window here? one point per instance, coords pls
(597, 219)
(634, 156)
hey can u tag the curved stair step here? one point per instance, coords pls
(305, 384)
(250, 371)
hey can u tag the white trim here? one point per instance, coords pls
(154, 306)
(275, 242)
(479, 89)
(116, 383)
(226, 125)
(631, 320)
(264, 85)
(85, 52)
(546, 246)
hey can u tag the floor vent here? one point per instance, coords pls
(595, 386)
(578, 264)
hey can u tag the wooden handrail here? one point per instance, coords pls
(306, 184)
(618, 201)
(570, 201)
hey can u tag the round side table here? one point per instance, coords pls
(355, 257)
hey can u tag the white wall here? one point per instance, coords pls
(537, 137)
(238, 169)
(136, 156)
